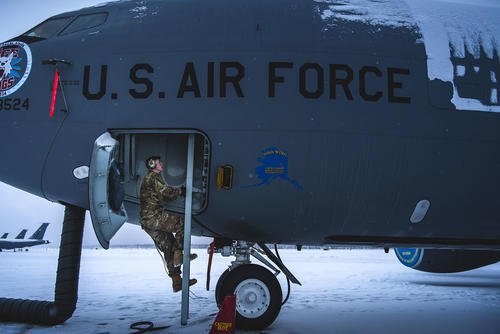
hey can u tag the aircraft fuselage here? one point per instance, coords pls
(335, 131)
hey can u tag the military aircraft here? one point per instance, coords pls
(19, 242)
(362, 122)
(21, 235)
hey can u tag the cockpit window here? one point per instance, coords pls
(83, 22)
(48, 28)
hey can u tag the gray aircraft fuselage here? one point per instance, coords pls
(19, 242)
(333, 129)
(15, 243)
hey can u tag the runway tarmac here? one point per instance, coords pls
(343, 291)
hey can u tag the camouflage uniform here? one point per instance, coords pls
(158, 223)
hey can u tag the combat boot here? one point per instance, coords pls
(177, 283)
(178, 258)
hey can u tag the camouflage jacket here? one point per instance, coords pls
(154, 194)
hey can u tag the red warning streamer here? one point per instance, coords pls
(210, 256)
(54, 93)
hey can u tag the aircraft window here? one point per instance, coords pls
(83, 22)
(48, 28)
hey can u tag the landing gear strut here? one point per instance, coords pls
(258, 292)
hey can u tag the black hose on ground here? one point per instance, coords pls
(66, 289)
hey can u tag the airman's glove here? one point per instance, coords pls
(182, 191)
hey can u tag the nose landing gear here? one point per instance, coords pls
(258, 292)
(258, 295)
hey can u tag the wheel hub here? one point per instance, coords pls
(252, 298)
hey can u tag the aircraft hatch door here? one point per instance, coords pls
(106, 190)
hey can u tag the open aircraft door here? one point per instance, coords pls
(105, 190)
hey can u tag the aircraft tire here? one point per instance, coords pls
(258, 295)
(219, 298)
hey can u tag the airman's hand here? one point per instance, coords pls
(182, 191)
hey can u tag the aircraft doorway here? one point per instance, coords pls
(171, 145)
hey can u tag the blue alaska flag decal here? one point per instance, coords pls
(274, 165)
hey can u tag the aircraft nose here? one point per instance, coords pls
(26, 131)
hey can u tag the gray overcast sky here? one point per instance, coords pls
(19, 209)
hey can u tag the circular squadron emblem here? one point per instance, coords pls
(15, 66)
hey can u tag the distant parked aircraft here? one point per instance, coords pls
(20, 242)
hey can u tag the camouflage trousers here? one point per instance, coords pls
(162, 229)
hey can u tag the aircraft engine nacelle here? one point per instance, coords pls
(445, 260)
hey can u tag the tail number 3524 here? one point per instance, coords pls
(14, 104)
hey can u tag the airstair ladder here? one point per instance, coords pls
(187, 231)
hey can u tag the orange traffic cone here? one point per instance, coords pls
(225, 321)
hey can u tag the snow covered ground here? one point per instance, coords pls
(344, 291)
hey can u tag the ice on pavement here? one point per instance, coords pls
(344, 291)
